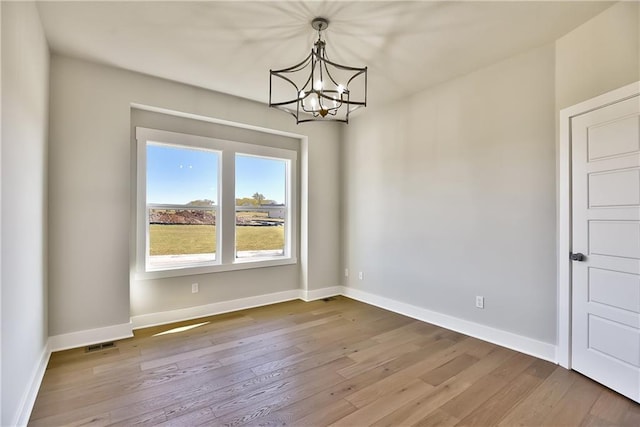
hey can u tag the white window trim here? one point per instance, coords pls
(225, 219)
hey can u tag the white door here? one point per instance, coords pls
(606, 230)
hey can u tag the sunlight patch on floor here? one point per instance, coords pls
(181, 329)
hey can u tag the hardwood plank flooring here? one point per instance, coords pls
(337, 362)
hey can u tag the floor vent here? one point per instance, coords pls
(101, 346)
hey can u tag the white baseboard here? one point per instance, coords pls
(500, 337)
(29, 397)
(90, 336)
(316, 294)
(164, 317)
(522, 344)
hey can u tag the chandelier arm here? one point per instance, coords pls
(315, 120)
(329, 73)
(276, 104)
(325, 96)
(321, 97)
(313, 67)
(307, 110)
(281, 103)
(318, 60)
(328, 62)
(287, 79)
(325, 61)
(348, 102)
(363, 71)
(343, 67)
(359, 70)
(294, 68)
(286, 110)
(308, 82)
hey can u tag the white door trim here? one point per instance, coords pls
(563, 355)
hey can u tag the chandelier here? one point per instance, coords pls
(318, 89)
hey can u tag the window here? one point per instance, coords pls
(261, 218)
(182, 189)
(207, 205)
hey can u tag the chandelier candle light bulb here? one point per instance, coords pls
(316, 78)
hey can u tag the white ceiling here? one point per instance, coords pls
(229, 46)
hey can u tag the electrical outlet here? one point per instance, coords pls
(360, 275)
(479, 302)
(346, 272)
(194, 288)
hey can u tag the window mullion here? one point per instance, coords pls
(142, 220)
(290, 203)
(228, 207)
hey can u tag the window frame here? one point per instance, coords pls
(225, 207)
(286, 207)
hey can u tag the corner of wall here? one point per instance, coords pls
(90, 336)
(520, 343)
(24, 116)
(28, 399)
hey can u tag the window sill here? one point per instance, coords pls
(241, 264)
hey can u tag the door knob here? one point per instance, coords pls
(577, 257)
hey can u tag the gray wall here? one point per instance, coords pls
(25, 95)
(451, 195)
(458, 183)
(600, 55)
(90, 199)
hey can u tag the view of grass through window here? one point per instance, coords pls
(261, 209)
(182, 195)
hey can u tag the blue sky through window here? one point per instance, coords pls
(261, 175)
(178, 175)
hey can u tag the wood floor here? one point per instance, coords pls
(336, 362)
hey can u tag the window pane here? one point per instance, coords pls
(182, 189)
(261, 211)
(180, 175)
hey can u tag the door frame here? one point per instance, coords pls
(563, 348)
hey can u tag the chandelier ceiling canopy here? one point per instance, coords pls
(318, 89)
